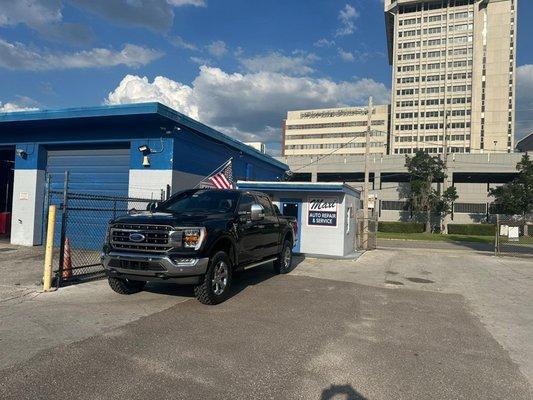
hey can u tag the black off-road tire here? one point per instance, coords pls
(125, 286)
(205, 291)
(280, 265)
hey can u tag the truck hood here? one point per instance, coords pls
(159, 218)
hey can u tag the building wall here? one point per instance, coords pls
(321, 240)
(318, 132)
(179, 159)
(454, 72)
(389, 180)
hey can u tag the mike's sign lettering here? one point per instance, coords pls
(322, 211)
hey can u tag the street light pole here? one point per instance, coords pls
(367, 175)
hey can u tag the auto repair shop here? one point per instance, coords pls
(132, 150)
(325, 213)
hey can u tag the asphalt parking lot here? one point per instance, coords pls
(399, 323)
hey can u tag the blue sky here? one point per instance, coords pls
(237, 65)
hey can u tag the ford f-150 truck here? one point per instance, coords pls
(198, 237)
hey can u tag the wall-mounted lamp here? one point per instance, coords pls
(21, 153)
(145, 150)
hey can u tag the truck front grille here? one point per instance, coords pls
(154, 237)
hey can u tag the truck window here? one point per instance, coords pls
(246, 202)
(267, 205)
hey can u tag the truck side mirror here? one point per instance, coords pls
(257, 213)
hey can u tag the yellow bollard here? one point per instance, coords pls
(48, 258)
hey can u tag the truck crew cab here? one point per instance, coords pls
(198, 237)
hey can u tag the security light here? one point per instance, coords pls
(144, 149)
(21, 153)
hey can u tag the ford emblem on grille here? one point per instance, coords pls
(137, 237)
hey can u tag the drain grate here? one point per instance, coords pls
(6, 249)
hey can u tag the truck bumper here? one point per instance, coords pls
(152, 267)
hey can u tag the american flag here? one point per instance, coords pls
(223, 179)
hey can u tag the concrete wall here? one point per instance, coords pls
(396, 190)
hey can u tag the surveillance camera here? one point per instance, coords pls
(144, 149)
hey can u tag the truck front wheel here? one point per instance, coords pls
(215, 286)
(125, 286)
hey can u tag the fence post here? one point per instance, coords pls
(63, 230)
(47, 276)
(497, 235)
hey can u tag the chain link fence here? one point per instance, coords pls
(369, 241)
(80, 231)
(514, 235)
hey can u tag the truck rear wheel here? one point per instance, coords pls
(217, 281)
(126, 286)
(284, 262)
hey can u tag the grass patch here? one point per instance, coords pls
(436, 237)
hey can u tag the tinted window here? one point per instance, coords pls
(246, 203)
(266, 205)
(201, 201)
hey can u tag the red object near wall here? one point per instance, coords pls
(5, 223)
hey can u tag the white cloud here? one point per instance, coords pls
(12, 107)
(524, 101)
(298, 64)
(346, 55)
(247, 106)
(347, 16)
(217, 48)
(180, 43)
(21, 57)
(180, 3)
(324, 43)
(45, 17)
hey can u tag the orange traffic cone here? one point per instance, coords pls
(67, 261)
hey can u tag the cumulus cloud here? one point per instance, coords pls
(18, 56)
(13, 107)
(524, 101)
(247, 106)
(298, 63)
(217, 48)
(45, 17)
(347, 17)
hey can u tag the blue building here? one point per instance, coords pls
(101, 149)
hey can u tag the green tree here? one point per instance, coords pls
(516, 197)
(425, 170)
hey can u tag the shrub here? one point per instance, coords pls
(472, 229)
(401, 227)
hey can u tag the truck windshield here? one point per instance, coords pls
(201, 201)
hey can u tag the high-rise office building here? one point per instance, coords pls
(453, 83)
(334, 130)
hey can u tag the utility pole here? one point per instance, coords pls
(367, 175)
(444, 227)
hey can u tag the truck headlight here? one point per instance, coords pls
(189, 238)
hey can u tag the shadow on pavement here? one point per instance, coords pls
(344, 392)
(241, 280)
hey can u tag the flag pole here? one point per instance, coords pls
(214, 172)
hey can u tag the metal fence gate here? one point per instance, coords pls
(514, 235)
(81, 228)
(372, 239)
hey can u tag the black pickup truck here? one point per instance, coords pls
(198, 237)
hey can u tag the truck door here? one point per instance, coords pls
(271, 230)
(249, 232)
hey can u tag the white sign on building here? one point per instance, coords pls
(322, 211)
